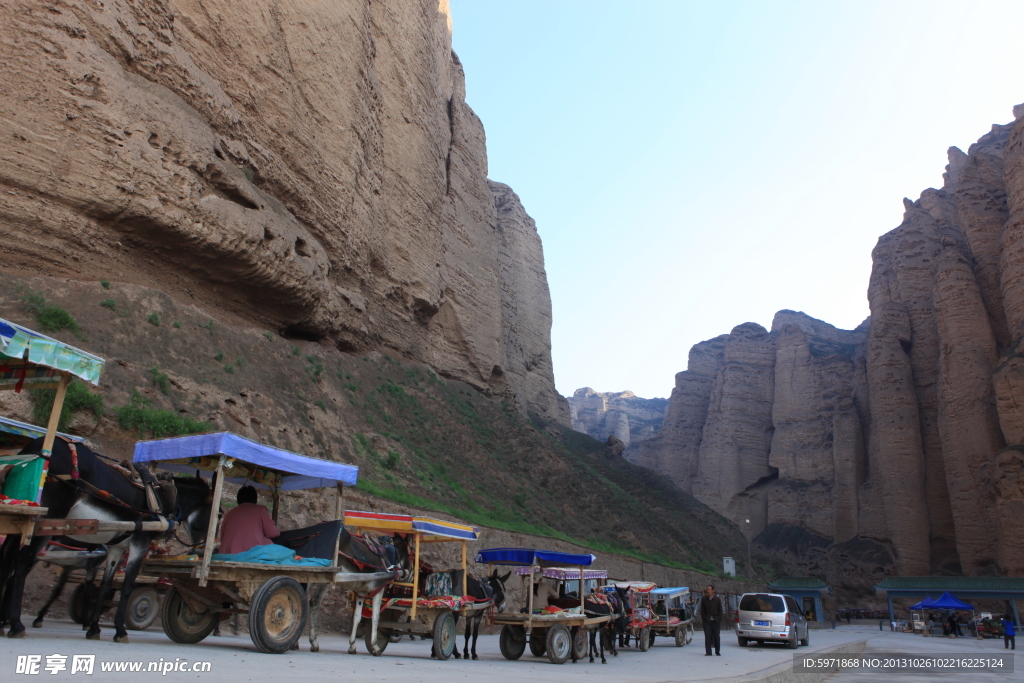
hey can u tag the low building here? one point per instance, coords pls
(807, 592)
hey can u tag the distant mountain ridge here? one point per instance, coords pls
(630, 418)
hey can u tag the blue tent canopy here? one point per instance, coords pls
(527, 557)
(927, 603)
(250, 462)
(670, 592)
(947, 601)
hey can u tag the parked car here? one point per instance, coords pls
(771, 617)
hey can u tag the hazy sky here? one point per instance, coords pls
(693, 166)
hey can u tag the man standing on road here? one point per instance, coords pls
(711, 615)
(1009, 633)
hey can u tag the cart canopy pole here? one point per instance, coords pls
(465, 579)
(58, 404)
(276, 501)
(581, 590)
(529, 596)
(211, 531)
(415, 579)
(339, 514)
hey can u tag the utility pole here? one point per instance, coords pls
(750, 566)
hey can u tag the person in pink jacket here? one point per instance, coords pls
(247, 525)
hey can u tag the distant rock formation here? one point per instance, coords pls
(625, 415)
(311, 168)
(897, 446)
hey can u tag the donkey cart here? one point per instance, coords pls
(567, 581)
(563, 631)
(428, 609)
(207, 589)
(638, 608)
(674, 615)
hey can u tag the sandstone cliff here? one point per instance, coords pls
(895, 447)
(630, 418)
(308, 167)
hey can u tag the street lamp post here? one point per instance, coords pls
(750, 567)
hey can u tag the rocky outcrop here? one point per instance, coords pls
(896, 446)
(622, 414)
(309, 168)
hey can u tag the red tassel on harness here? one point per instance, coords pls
(21, 380)
(74, 461)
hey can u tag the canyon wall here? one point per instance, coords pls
(623, 414)
(895, 447)
(308, 167)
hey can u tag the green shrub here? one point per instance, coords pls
(105, 284)
(269, 336)
(108, 303)
(207, 326)
(321, 404)
(50, 317)
(230, 369)
(77, 398)
(176, 324)
(392, 461)
(296, 351)
(240, 362)
(159, 423)
(219, 356)
(162, 381)
(314, 369)
(154, 319)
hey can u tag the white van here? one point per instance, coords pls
(771, 617)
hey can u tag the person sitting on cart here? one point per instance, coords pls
(248, 525)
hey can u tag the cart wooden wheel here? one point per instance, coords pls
(277, 615)
(383, 638)
(512, 641)
(80, 607)
(538, 643)
(181, 623)
(559, 643)
(579, 642)
(644, 640)
(680, 635)
(143, 606)
(444, 635)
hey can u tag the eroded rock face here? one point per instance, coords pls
(895, 447)
(622, 414)
(308, 167)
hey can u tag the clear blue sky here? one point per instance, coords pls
(693, 166)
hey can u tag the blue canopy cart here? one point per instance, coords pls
(273, 595)
(562, 630)
(674, 614)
